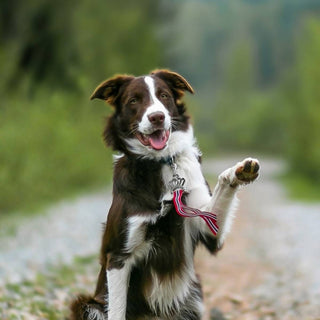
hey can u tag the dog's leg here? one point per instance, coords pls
(223, 199)
(120, 264)
(117, 292)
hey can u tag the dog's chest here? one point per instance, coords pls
(164, 227)
(163, 243)
(165, 254)
(187, 167)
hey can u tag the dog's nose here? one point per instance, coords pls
(156, 118)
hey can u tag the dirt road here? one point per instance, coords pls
(269, 268)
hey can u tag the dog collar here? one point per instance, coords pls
(170, 160)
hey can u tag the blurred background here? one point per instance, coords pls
(253, 64)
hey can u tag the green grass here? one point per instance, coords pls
(49, 295)
(50, 148)
(301, 188)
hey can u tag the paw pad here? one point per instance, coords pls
(247, 170)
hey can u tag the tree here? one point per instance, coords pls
(301, 97)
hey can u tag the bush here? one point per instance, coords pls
(50, 146)
(301, 99)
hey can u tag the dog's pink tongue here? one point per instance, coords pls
(158, 140)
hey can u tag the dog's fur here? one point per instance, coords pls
(147, 268)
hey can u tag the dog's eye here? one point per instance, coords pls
(164, 95)
(133, 101)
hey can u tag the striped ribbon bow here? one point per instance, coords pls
(177, 188)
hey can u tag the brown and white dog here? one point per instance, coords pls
(147, 267)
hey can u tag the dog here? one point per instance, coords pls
(147, 266)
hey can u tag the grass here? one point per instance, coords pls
(301, 188)
(51, 148)
(49, 295)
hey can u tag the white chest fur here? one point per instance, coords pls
(169, 293)
(189, 168)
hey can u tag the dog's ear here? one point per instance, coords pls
(175, 81)
(109, 89)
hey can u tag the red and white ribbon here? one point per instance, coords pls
(185, 211)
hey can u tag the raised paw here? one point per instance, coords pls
(247, 171)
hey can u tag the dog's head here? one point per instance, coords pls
(147, 111)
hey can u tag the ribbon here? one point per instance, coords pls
(177, 188)
(185, 211)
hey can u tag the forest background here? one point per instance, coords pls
(254, 65)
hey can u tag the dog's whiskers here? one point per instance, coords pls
(174, 123)
(134, 129)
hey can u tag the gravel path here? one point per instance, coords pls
(68, 229)
(268, 269)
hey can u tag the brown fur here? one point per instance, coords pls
(137, 188)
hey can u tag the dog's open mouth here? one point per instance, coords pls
(157, 139)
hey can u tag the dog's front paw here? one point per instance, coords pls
(246, 171)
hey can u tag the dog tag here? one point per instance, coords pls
(176, 183)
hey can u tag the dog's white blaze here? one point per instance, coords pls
(118, 280)
(156, 105)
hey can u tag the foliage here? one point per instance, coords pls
(246, 118)
(301, 98)
(301, 187)
(69, 44)
(255, 66)
(52, 55)
(204, 34)
(236, 54)
(50, 148)
(251, 64)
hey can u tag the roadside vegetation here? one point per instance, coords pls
(50, 148)
(52, 56)
(252, 64)
(49, 295)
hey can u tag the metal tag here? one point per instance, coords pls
(176, 183)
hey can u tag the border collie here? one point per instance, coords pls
(147, 266)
